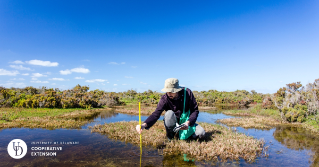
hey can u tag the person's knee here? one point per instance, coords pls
(170, 119)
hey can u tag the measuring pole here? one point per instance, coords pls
(139, 112)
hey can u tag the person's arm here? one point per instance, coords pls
(193, 108)
(151, 120)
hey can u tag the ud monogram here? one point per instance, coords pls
(17, 148)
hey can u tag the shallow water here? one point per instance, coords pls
(288, 146)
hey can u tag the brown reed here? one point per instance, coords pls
(219, 141)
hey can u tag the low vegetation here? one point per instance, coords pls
(219, 142)
(45, 118)
(78, 97)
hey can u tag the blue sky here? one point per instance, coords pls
(122, 45)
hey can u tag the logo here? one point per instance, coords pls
(17, 148)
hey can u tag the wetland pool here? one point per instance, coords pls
(288, 146)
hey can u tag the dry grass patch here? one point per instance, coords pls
(133, 110)
(258, 122)
(220, 142)
(73, 119)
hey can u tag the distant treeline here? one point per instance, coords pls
(78, 97)
(295, 102)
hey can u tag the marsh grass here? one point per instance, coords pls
(45, 117)
(134, 110)
(257, 122)
(257, 110)
(255, 117)
(219, 142)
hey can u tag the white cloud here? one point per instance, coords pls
(115, 63)
(81, 70)
(77, 70)
(124, 84)
(17, 62)
(21, 79)
(96, 80)
(34, 79)
(12, 84)
(143, 83)
(10, 73)
(65, 72)
(128, 77)
(39, 81)
(38, 75)
(20, 67)
(115, 84)
(57, 79)
(107, 82)
(78, 78)
(53, 84)
(43, 63)
(25, 74)
(134, 66)
(86, 60)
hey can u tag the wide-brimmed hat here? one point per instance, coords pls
(171, 85)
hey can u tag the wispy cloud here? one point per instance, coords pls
(128, 77)
(12, 84)
(77, 70)
(134, 66)
(57, 79)
(20, 67)
(78, 78)
(25, 74)
(17, 62)
(115, 84)
(34, 79)
(43, 63)
(86, 60)
(38, 75)
(115, 63)
(143, 83)
(96, 80)
(20, 79)
(10, 73)
(39, 81)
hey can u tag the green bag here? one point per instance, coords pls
(184, 134)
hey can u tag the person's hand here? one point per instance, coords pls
(186, 126)
(139, 128)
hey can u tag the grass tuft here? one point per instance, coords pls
(219, 141)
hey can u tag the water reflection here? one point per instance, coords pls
(289, 146)
(297, 138)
